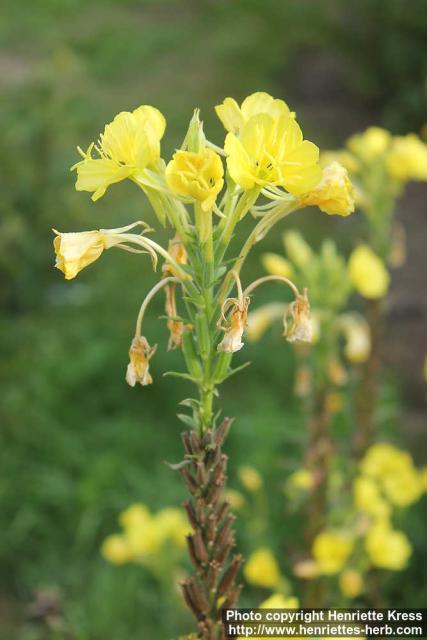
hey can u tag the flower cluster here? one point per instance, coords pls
(387, 481)
(380, 165)
(264, 168)
(145, 535)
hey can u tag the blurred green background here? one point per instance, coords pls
(77, 444)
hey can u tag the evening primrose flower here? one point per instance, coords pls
(387, 548)
(116, 550)
(371, 144)
(261, 569)
(300, 328)
(250, 478)
(395, 471)
(279, 601)
(75, 251)
(333, 194)
(196, 175)
(407, 159)
(276, 265)
(357, 337)
(368, 498)
(331, 550)
(368, 273)
(271, 152)
(129, 144)
(172, 524)
(351, 583)
(140, 353)
(234, 117)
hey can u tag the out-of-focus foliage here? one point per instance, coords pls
(77, 445)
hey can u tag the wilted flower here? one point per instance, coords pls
(334, 194)
(234, 117)
(129, 144)
(300, 329)
(196, 175)
(261, 569)
(407, 159)
(331, 550)
(271, 152)
(368, 273)
(140, 353)
(234, 324)
(176, 327)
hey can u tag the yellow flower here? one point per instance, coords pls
(129, 144)
(351, 583)
(250, 478)
(297, 248)
(301, 479)
(196, 175)
(261, 569)
(387, 548)
(75, 251)
(404, 487)
(371, 144)
(276, 265)
(357, 336)
(396, 472)
(334, 194)
(234, 117)
(172, 525)
(331, 551)
(279, 601)
(271, 152)
(407, 159)
(261, 319)
(368, 498)
(140, 531)
(115, 549)
(140, 353)
(368, 273)
(234, 498)
(300, 329)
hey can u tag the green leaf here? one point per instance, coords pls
(179, 374)
(187, 420)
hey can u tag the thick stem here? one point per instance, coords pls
(212, 587)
